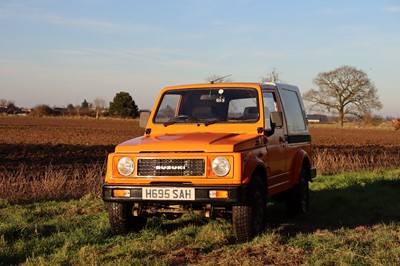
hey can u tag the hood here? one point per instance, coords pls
(191, 142)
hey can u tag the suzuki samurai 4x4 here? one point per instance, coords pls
(221, 149)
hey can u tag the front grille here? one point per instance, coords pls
(170, 167)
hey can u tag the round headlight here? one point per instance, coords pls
(220, 166)
(125, 166)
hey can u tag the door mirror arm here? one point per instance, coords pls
(276, 119)
(269, 132)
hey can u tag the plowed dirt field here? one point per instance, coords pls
(65, 142)
(61, 142)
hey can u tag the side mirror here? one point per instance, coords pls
(277, 119)
(276, 122)
(144, 118)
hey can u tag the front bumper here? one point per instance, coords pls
(237, 195)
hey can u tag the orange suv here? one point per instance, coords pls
(221, 149)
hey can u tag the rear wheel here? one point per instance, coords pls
(249, 220)
(299, 197)
(121, 219)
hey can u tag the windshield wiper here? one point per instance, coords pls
(169, 123)
(174, 120)
(215, 121)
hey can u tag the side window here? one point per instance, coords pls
(294, 114)
(270, 105)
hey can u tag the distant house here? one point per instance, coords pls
(315, 118)
(60, 111)
(3, 110)
(10, 110)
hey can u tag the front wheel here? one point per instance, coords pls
(121, 219)
(249, 220)
(299, 197)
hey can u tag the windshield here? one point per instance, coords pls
(208, 106)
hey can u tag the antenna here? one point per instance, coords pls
(218, 79)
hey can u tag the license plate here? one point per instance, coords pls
(168, 193)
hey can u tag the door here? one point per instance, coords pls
(276, 154)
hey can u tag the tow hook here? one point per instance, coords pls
(136, 210)
(208, 211)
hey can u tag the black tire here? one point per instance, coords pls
(121, 219)
(299, 196)
(249, 220)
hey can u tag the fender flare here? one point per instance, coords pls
(250, 167)
(300, 159)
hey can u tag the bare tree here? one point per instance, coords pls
(3, 102)
(99, 105)
(273, 76)
(218, 79)
(346, 90)
(6, 103)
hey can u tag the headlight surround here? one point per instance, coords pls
(220, 166)
(125, 166)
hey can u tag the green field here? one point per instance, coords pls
(354, 219)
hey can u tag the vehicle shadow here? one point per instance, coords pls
(171, 225)
(350, 207)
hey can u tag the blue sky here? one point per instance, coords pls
(62, 52)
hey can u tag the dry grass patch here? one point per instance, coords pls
(23, 185)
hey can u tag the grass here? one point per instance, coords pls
(329, 161)
(354, 220)
(385, 125)
(26, 185)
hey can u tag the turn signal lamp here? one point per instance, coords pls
(122, 193)
(218, 194)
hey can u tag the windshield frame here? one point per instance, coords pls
(214, 105)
